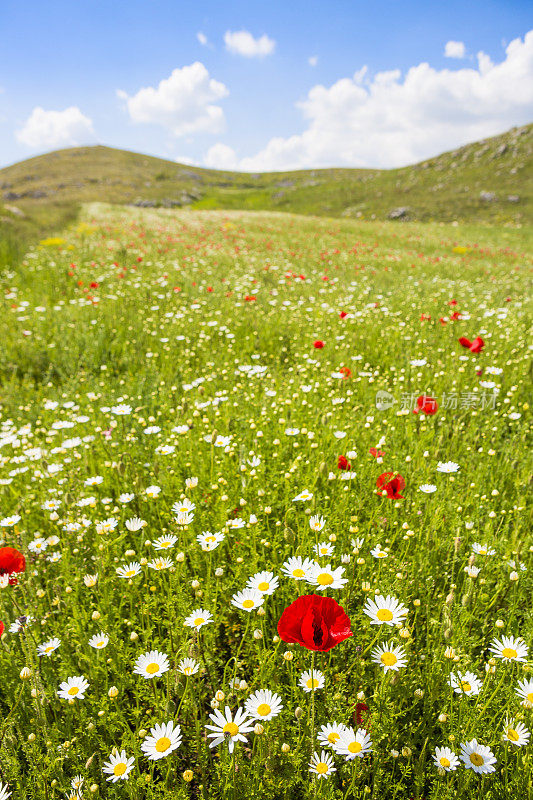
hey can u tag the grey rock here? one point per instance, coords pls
(399, 213)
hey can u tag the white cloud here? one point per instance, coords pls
(455, 49)
(50, 129)
(202, 38)
(221, 156)
(312, 61)
(390, 121)
(183, 103)
(243, 44)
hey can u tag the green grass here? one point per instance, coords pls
(446, 188)
(165, 312)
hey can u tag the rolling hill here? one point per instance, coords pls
(489, 181)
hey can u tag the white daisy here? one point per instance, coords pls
(427, 488)
(188, 666)
(445, 759)
(353, 744)
(330, 733)
(311, 680)
(118, 767)
(515, 732)
(73, 688)
(198, 618)
(465, 683)
(263, 705)
(47, 648)
(324, 549)
(227, 727)
(322, 765)
(129, 570)
(263, 582)
(304, 495)
(385, 610)
(297, 567)
(209, 541)
(99, 641)
(248, 599)
(389, 656)
(447, 467)
(164, 738)
(316, 523)
(525, 691)
(326, 577)
(165, 542)
(151, 664)
(160, 563)
(509, 648)
(478, 757)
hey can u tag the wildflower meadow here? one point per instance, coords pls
(264, 514)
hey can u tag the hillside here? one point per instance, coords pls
(488, 181)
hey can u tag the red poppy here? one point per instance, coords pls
(343, 463)
(456, 315)
(376, 453)
(314, 622)
(360, 709)
(343, 314)
(346, 371)
(392, 484)
(11, 562)
(428, 405)
(319, 344)
(475, 347)
(1, 628)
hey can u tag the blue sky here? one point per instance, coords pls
(59, 55)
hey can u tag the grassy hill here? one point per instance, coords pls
(488, 181)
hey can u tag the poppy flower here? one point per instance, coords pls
(346, 371)
(11, 562)
(1, 628)
(343, 314)
(318, 345)
(360, 709)
(475, 347)
(343, 463)
(428, 405)
(314, 622)
(376, 453)
(456, 315)
(391, 484)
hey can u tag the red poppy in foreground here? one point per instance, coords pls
(318, 345)
(391, 484)
(11, 562)
(1, 628)
(426, 405)
(475, 347)
(343, 463)
(314, 622)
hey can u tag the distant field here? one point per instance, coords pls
(197, 404)
(485, 182)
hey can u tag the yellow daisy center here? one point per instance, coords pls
(324, 579)
(73, 690)
(529, 697)
(199, 621)
(248, 604)
(100, 643)
(384, 614)
(444, 762)
(130, 573)
(389, 659)
(509, 652)
(512, 735)
(162, 744)
(48, 649)
(152, 668)
(263, 709)
(263, 586)
(333, 737)
(298, 573)
(465, 686)
(476, 759)
(230, 728)
(119, 769)
(321, 768)
(312, 683)
(354, 747)
(188, 670)
(210, 539)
